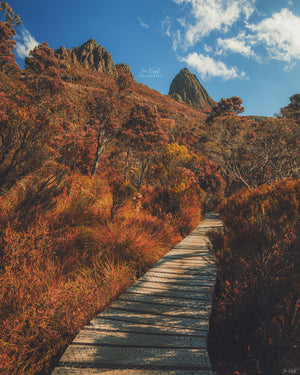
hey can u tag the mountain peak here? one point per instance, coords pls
(186, 87)
(90, 55)
(91, 42)
(185, 70)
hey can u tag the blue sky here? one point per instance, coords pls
(247, 48)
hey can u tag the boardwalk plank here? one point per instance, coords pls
(142, 283)
(89, 371)
(158, 272)
(160, 309)
(149, 358)
(110, 324)
(178, 280)
(155, 290)
(197, 304)
(139, 340)
(153, 319)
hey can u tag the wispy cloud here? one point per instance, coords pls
(25, 43)
(240, 44)
(166, 25)
(207, 67)
(206, 16)
(142, 23)
(177, 40)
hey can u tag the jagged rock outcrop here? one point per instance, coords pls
(90, 55)
(63, 57)
(186, 87)
(125, 69)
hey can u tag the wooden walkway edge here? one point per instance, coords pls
(160, 324)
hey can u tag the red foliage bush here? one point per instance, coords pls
(42, 308)
(67, 265)
(257, 299)
(137, 238)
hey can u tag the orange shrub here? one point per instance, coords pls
(138, 239)
(256, 313)
(66, 266)
(42, 307)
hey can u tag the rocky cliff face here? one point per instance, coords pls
(90, 55)
(186, 87)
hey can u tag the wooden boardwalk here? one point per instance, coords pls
(160, 324)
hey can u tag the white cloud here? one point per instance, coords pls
(25, 43)
(142, 23)
(182, 21)
(207, 48)
(280, 35)
(262, 38)
(207, 67)
(177, 40)
(239, 44)
(209, 15)
(166, 26)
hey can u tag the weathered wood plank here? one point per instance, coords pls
(204, 271)
(160, 309)
(179, 281)
(139, 340)
(110, 324)
(152, 319)
(142, 283)
(133, 371)
(164, 292)
(158, 272)
(149, 358)
(167, 301)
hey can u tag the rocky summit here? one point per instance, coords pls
(186, 87)
(90, 55)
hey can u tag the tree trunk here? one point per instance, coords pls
(102, 141)
(126, 166)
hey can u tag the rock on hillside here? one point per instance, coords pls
(90, 55)
(125, 69)
(186, 87)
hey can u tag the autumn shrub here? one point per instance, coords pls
(181, 208)
(42, 308)
(85, 200)
(255, 318)
(83, 205)
(34, 193)
(137, 238)
(75, 146)
(122, 192)
(176, 194)
(188, 211)
(67, 265)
